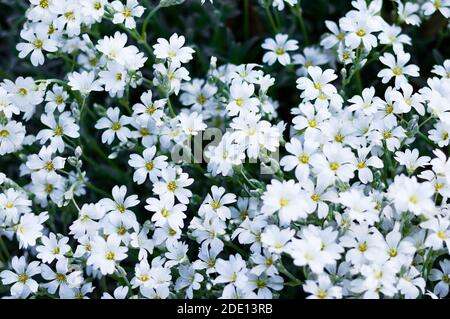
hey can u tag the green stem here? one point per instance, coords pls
(269, 15)
(299, 14)
(146, 21)
(294, 280)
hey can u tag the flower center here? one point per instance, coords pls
(119, 76)
(116, 126)
(97, 5)
(441, 235)
(121, 208)
(110, 255)
(23, 91)
(4, 133)
(321, 294)
(304, 159)
(70, 15)
(172, 186)
(38, 44)
(151, 109)
(361, 165)
(215, 204)
(362, 247)
(127, 13)
(56, 251)
(312, 123)
(334, 166)
(318, 86)
(23, 278)
(392, 252)
(121, 231)
(164, 213)
(59, 131)
(397, 71)
(149, 166)
(315, 197)
(59, 99)
(284, 202)
(387, 135)
(280, 51)
(201, 99)
(9, 205)
(49, 188)
(239, 102)
(361, 33)
(49, 166)
(413, 199)
(60, 277)
(43, 4)
(144, 131)
(339, 138)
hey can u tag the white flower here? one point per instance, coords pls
(56, 99)
(165, 211)
(12, 135)
(84, 82)
(407, 13)
(278, 49)
(173, 50)
(24, 284)
(191, 123)
(105, 254)
(119, 205)
(333, 164)
(410, 195)
(52, 248)
(44, 162)
(173, 184)
(440, 232)
(37, 41)
(215, 203)
(127, 12)
(311, 56)
(322, 289)
(286, 198)
(368, 103)
(30, 229)
(300, 158)
(359, 31)
(62, 278)
(318, 87)
(94, 9)
(115, 125)
(241, 98)
(397, 68)
(441, 288)
(87, 221)
(147, 165)
(411, 160)
(63, 126)
(149, 109)
(275, 239)
(391, 35)
(114, 78)
(232, 271)
(443, 6)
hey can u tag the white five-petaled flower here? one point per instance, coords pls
(278, 49)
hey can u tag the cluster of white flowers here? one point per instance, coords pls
(356, 207)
